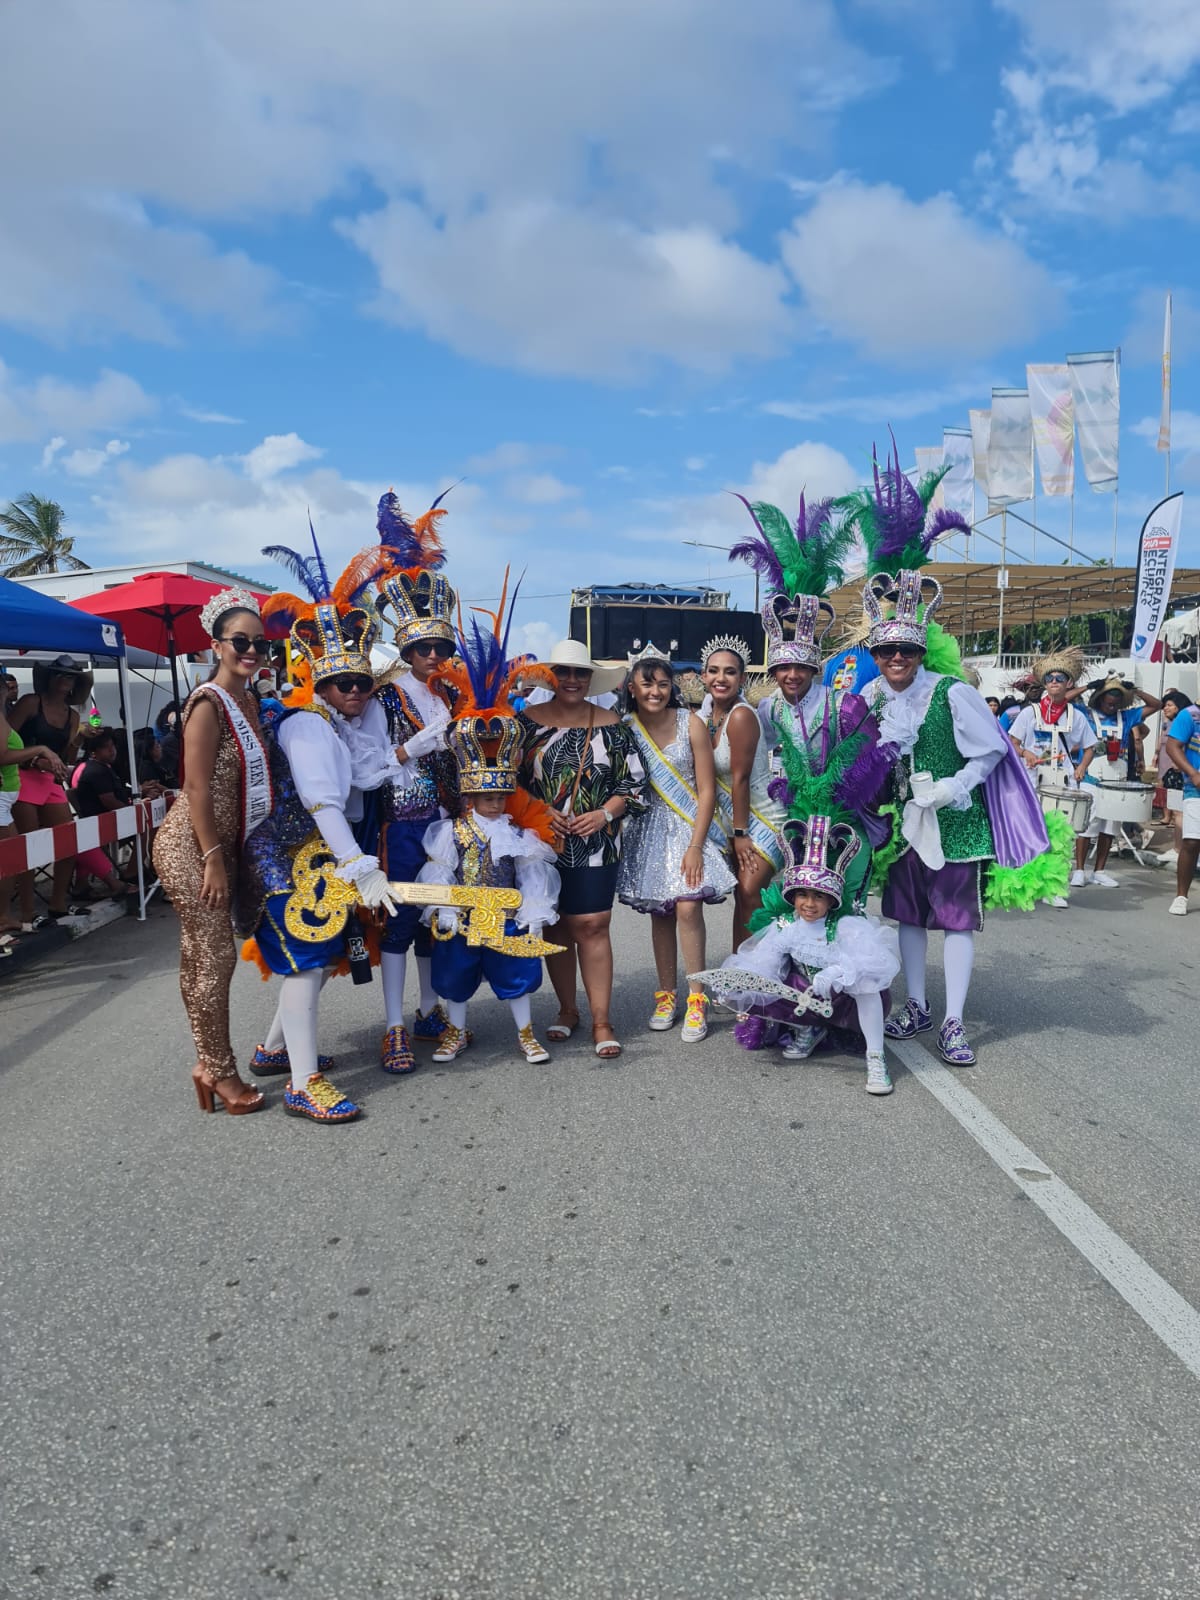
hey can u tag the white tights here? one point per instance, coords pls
(394, 966)
(299, 995)
(274, 1039)
(521, 1008)
(959, 959)
(870, 1020)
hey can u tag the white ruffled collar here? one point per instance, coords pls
(900, 712)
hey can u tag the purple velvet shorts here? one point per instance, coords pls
(949, 898)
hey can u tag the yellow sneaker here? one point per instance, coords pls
(665, 1010)
(530, 1048)
(695, 1021)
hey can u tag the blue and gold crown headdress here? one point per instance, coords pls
(484, 734)
(420, 598)
(331, 631)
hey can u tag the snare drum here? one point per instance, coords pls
(1075, 804)
(1124, 802)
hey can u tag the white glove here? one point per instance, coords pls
(375, 891)
(447, 920)
(824, 982)
(534, 930)
(944, 792)
(425, 742)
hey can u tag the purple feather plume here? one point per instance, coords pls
(758, 552)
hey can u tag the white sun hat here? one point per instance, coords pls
(570, 653)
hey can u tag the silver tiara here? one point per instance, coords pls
(726, 641)
(648, 652)
(227, 600)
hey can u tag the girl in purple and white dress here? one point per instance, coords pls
(673, 861)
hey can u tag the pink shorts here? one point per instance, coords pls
(40, 789)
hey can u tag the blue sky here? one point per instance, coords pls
(602, 262)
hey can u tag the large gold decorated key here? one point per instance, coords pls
(486, 910)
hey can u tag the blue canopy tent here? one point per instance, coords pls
(33, 621)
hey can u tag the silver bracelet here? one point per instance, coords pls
(206, 853)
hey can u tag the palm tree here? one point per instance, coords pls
(32, 540)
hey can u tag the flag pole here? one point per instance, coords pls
(1116, 492)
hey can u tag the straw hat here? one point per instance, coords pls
(570, 653)
(1114, 684)
(1066, 658)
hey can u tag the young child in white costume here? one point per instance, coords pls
(847, 962)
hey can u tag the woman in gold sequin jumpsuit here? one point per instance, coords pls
(197, 850)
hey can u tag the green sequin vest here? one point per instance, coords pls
(966, 835)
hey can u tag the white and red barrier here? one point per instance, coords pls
(28, 851)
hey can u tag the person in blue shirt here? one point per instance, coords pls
(1183, 747)
(1116, 725)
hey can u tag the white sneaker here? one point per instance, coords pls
(1105, 880)
(1059, 902)
(799, 1043)
(878, 1078)
(1079, 878)
(1178, 906)
(1169, 858)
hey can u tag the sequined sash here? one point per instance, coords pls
(256, 794)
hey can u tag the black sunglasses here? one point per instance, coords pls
(886, 651)
(571, 672)
(349, 682)
(242, 643)
(434, 647)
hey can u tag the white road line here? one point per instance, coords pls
(1160, 1307)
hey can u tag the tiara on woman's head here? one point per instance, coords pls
(227, 600)
(726, 641)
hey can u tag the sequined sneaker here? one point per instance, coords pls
(395, 1052)
(695, 1019)
(530, 1048)
(454, 1041)
(319, 1101)
(799, 1043)
(879, 1080)
(665, 1011)
(911, 1019)
(952, 1044)
(430, 1027)
(266, 1063)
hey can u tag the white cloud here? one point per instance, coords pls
(902, 278)
(279, 452)
(51, 450)
(87, 463)
(815, 469)
(193, 414)
(539, 489)
(510, 456)
(29, 409)
(695, 463)
(1123, 52)
(880, 408)
(564, 290)
(625, 124)
(534, 638)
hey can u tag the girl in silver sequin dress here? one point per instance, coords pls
(673, 858)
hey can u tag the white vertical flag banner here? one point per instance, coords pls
(929, 459)
(1010, 448)
(1157, 550)
(1164, 425)
(1096, 385)
(981, 428)
(957, 486)
(1052, 406)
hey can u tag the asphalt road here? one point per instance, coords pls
(694, 1325)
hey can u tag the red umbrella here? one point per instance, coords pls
(160, 612)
